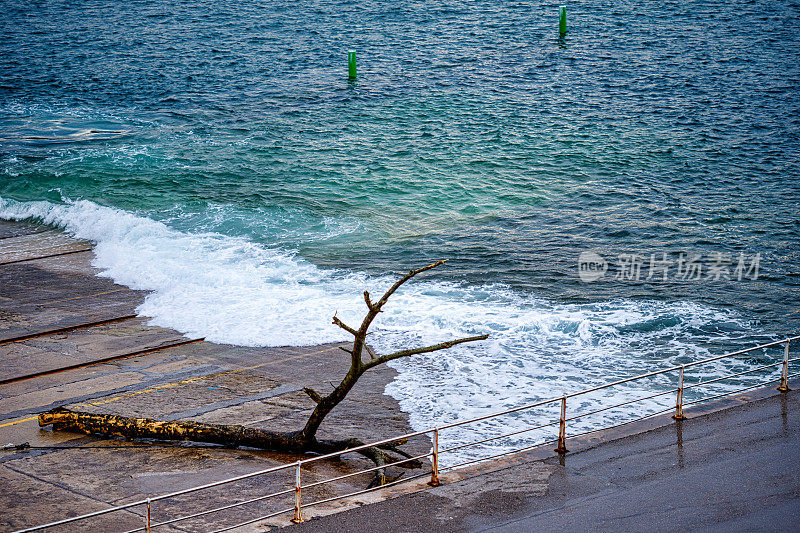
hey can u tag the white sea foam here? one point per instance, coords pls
(226, 289)
(232, 290)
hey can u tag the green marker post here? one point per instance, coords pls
(562, 22)
(351, 64)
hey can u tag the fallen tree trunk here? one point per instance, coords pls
(227, 435)
(301, 441)
(146, 428)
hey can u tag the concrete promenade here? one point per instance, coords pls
(736, 469)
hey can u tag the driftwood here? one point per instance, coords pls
(226, 435)
(302, 441)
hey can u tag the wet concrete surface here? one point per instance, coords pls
(65, 474)
(736, 469)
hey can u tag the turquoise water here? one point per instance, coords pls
(220, 157)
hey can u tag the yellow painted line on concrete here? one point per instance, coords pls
(177, 384)
(280, 360)
(144, 391)
(18, 421)
(199, 378)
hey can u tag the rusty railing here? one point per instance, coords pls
(293, 471)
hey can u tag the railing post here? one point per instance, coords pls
(434, 482)
(147, 523)
(562, 427)
(298, 506)
(784, 386)
(679, 400)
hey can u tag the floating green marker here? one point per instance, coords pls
(562, 22)
(351, 64)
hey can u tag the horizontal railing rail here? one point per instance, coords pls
(296, 468)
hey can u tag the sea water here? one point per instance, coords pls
(220, 158)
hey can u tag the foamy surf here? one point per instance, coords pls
(232, 290)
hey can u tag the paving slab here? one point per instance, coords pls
(30, 496)
(34, 300)
(10, 228)
(30, 246)
(61, 350)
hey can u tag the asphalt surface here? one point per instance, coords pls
(733, 470)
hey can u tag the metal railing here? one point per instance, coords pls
(296, 486)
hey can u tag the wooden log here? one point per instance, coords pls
(147, 428)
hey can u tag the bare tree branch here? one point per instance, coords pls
(413, 351)
(405, 278)
(367, 300)
(344, 326)
(357, 365)
(376, 308)
(370, 352)
(314, 395)
(346, 350)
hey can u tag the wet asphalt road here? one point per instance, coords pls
(733, 470)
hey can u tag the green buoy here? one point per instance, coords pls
(562, 22)
(351, 64)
